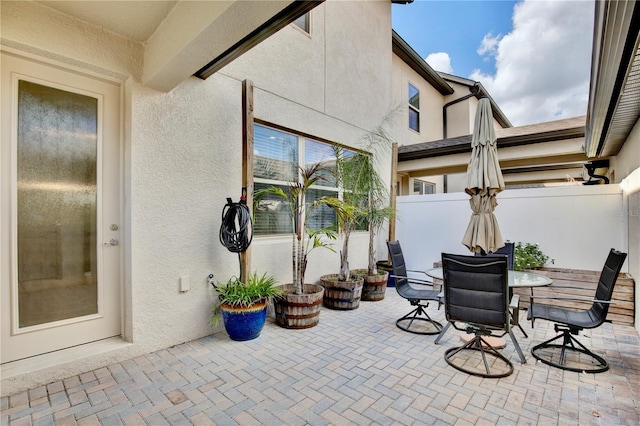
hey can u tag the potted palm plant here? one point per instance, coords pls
(376, 213)
(368, 191)
(243, 305)
(341, 290)
(299, 305)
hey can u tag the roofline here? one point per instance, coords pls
(502, 142)
(614, 46)
(405, 52)
(498, 114)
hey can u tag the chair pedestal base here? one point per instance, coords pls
(479, 344)
(420, 315)
(569, 344)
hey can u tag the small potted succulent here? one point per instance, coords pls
(243, 305)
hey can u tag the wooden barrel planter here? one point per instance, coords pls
(341, 295)
(374, 286)
(299, 311)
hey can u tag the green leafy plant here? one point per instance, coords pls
(528, 256)
(238, 294)
(304, 240)
(365, 188)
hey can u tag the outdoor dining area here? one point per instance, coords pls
(354, 367)
(466, 341)
(477, 289)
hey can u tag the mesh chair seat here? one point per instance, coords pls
(417, 292)
(476, 292)
(572, 355)
(581, 319)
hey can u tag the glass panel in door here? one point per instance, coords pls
(56, 204)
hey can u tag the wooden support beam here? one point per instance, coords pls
(394, 189)
(247, 165)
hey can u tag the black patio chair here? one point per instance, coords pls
(569, 322)
(418, 292)
(509, 250)
(476, 293)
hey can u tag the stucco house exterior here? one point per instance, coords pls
(442, 106)
(601, 147)
(157, 88)
(155, 92)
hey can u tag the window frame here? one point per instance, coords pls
(307, 23)
(301, 145)
(423, 184)
(413, 108)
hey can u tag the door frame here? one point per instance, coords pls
(8, 218)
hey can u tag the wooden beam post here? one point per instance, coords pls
(247, 166)
(394, 189)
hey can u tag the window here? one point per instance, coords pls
(277, 155)
(302, 22)
(414, 108)
(422, 187)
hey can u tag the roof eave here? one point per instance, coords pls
(615, 43)
(502, 142)
(405, 52)
(498, 114)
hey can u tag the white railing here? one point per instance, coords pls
(574, 225)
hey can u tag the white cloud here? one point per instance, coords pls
(543, 65)
(489, 45)
(440, 61)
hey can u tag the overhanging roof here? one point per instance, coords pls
(614, 95)
(180, 38)
(405, 52)
(482, 93)
(515, 136)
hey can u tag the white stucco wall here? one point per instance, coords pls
(182, 151)
(34, 28)
(627, 171)
(431, 102)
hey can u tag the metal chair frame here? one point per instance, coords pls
(492, 268)
(569, 322)
(418, 297)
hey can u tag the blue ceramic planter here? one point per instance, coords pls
(244, 323)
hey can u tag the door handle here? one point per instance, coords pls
(112, 242)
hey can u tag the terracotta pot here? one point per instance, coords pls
(299, 310)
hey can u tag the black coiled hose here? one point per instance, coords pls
(236, 230)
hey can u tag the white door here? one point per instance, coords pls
(60, 215)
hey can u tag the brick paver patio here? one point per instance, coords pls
(355, 367)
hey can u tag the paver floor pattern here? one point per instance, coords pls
(354, 368)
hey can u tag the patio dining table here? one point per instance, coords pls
(516, 279)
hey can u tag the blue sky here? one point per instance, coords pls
(456, 27)
(533, 56)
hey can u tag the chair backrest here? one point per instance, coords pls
(606, 283)
(397, 264)
(476, 289)
(508, 250)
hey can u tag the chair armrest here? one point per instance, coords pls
(414, 280)
(575, 299)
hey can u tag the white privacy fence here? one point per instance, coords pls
(574, 225)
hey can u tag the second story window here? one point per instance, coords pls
(414, 108)
(303, 22)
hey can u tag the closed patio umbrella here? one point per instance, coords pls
(484, 181)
